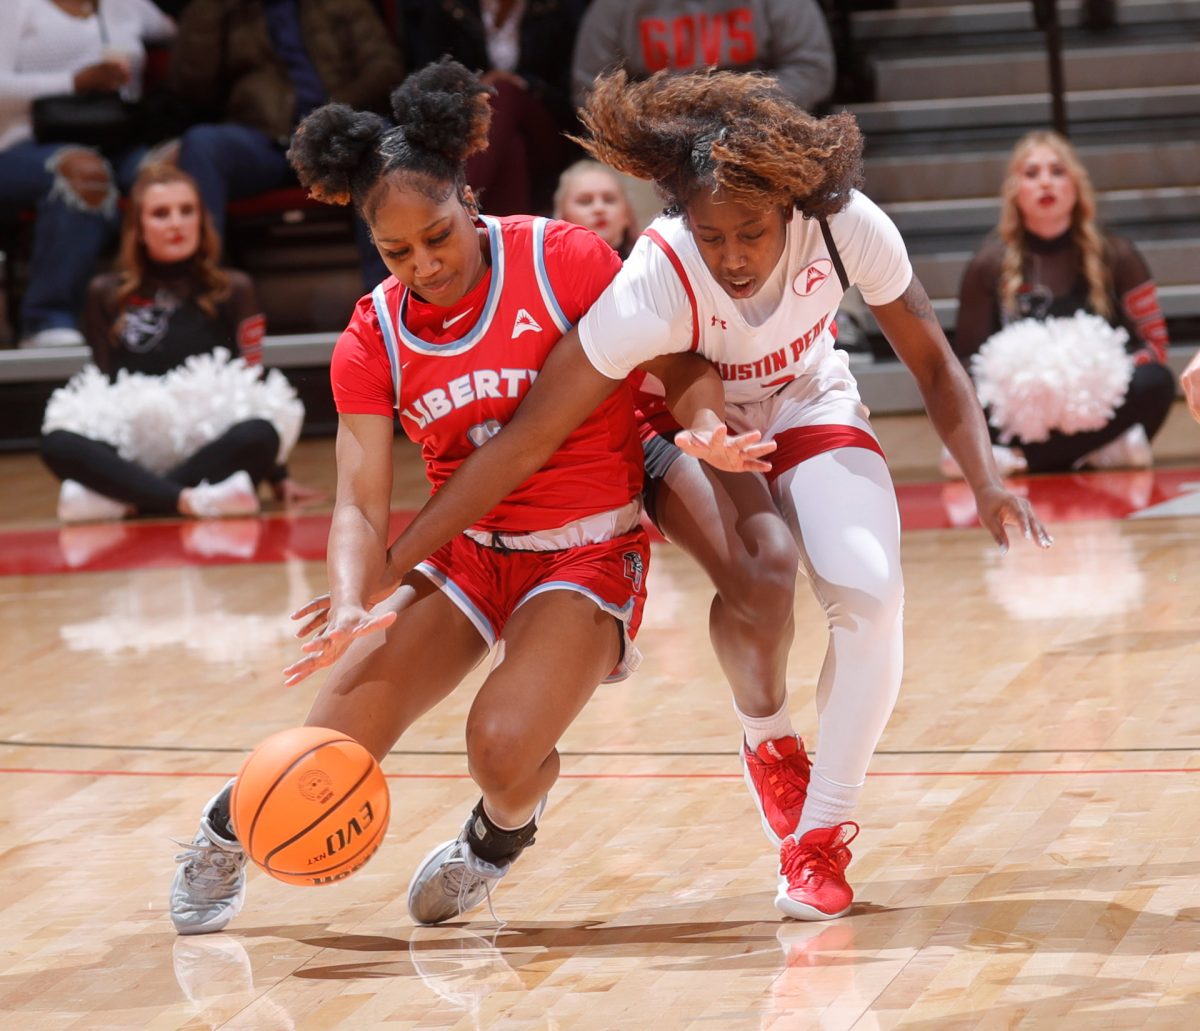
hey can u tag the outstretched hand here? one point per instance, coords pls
(998, 508)
(341, 627)
(739, 454)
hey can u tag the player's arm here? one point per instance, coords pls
(567, 390)
(357, 549)
(695, 396)
(912, 328)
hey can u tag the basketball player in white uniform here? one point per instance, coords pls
(763, 233)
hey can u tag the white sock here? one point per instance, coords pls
(766, 728)
(828, 804)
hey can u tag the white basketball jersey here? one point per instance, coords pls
(665, 300)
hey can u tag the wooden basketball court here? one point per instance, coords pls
(1030, 851)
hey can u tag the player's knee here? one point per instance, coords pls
(496, 753)
(761, 587)
(872, 600)
(83, 179)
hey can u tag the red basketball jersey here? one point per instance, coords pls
(456, 374)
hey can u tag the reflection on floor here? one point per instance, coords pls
(1143, 493)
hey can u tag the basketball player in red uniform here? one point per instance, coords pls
(552, 577)
(764, 232)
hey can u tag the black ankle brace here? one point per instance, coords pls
(493, 844)
(218, 815)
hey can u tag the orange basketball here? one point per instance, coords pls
(310, 805)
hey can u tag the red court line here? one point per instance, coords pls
(150, 544)
(620, 776)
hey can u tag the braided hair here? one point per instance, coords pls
(441, 116)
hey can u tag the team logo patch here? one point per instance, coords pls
(482, 432)
(524, 323)
(810, 279)
(634, 569)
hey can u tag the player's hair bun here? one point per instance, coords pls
(444, 108)
(330, 147)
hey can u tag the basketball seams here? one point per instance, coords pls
(266, 860)
(354, 862)
(248, 844)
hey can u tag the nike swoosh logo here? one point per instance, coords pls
(447, 323)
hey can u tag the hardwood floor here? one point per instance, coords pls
(1029, 854)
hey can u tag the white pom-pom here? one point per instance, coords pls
(158, 421)
(1065, 374)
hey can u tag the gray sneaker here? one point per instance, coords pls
(452, 880)
(210, 883)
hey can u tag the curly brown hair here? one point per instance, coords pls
(211, 282)
(734, 131)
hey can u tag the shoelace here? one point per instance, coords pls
(812, 859)
(790, 784)
(467, 881)
(208, 866)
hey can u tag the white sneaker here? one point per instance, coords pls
(233, 496)
(77, 504)
(948, 467)
(1131, 450)
(210, 880)
(1008, 462)
(61, 337)
(452, 880)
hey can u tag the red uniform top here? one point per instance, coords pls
(457, 374)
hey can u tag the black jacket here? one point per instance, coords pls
(431, 28)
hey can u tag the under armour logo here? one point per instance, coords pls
(715, 320)
(524, 323)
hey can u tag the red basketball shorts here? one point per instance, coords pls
(489, 584)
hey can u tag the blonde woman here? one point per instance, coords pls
(1048, 257)
(590, 194)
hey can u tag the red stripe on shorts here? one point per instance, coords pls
(804, 442)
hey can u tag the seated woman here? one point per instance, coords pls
(166, 302)
(55, 47)
(590, 194)
(1048, 258)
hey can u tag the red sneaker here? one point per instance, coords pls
(777, 774)
(812, 873)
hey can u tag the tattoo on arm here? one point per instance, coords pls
(916, 302)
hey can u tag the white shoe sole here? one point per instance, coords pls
(412, 884)
(788, 906)
(216, 923)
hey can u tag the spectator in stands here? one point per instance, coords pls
(1191, 385)
(590, 194)
(522, 50)
(1047, 257)
(788, 39)
(255, 68)
(166, 301)
(54, 47)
